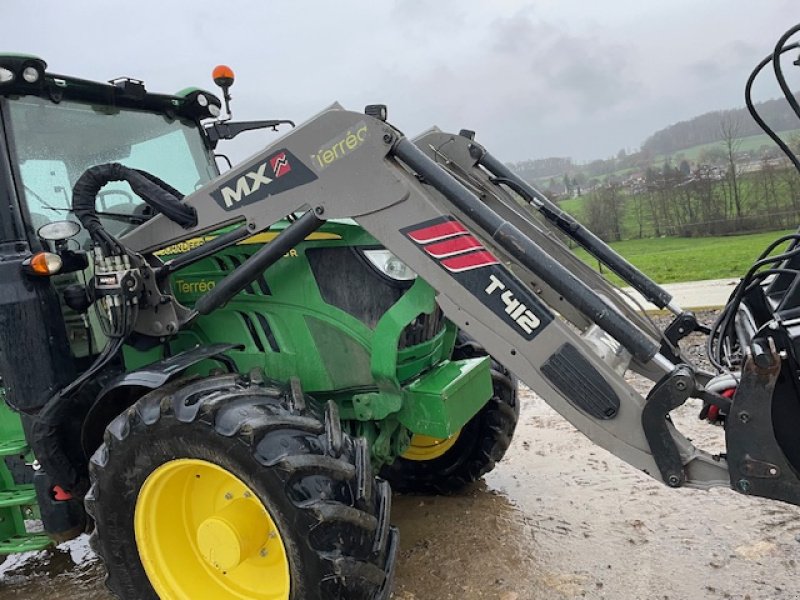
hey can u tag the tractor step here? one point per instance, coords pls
(13, 447)
(22, 495)
(28, 542)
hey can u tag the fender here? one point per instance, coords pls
(125, 389)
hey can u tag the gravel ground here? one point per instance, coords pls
(559, 518)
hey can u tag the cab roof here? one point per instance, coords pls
(22, 75)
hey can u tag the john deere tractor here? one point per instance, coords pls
(207, 371)
(231, 455)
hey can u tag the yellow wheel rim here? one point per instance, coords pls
(203, 534)
(424, 447)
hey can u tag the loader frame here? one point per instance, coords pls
(349, 165)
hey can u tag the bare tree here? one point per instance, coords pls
(639, 211)
(729, 128)
(769, 193)
(604, 212)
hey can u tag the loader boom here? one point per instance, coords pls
(343, 164)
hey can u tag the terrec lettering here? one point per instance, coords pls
(340, 147)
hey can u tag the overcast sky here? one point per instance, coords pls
(546, 78)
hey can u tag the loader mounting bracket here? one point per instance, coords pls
(683, 325)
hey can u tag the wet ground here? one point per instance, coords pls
(559, 518)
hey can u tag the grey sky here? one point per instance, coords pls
(575, 78)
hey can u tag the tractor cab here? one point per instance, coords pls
(57, 127)
(52, 128)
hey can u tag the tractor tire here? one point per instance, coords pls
(227, 487)
(448, 466)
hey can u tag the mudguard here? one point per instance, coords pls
(123, 390)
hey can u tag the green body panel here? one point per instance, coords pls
(445, 398)
(286, 328)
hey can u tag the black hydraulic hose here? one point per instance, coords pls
(781, 280)
(161, 183)
(528, 253)
(748, 99)
(149, 188)
(776, 64)
(583, 236)
(254, 266)
(721, 327)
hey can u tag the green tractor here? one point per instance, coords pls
(234, 456)
(209, 371)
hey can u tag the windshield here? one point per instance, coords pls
(56, 143)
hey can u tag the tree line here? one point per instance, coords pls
(709, 202)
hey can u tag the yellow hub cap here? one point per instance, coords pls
(203, 534)
(423, 447)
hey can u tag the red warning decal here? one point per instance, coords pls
(449, 242)
(438, 231)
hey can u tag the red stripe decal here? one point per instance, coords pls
(473, 260)
(456, 245)
(437, 232)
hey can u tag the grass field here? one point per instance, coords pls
(668, 260)
(573, 206)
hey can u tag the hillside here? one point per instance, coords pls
(694, 140)
(705, 128)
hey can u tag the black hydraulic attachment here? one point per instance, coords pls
(756, 462)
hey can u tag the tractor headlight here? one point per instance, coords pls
(391, 266)
(6, 75)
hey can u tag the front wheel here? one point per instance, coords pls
(445, 466)
(222, 488)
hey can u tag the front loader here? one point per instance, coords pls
(229, 370)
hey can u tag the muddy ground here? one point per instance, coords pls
(559, 518)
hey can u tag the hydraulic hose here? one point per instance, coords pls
(748, 99)
(776, 64)
(162, 197)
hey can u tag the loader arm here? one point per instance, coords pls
(464, 159)
(343, 164)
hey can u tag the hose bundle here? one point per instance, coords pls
(155, 192)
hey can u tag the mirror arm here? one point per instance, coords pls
(228, 130)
